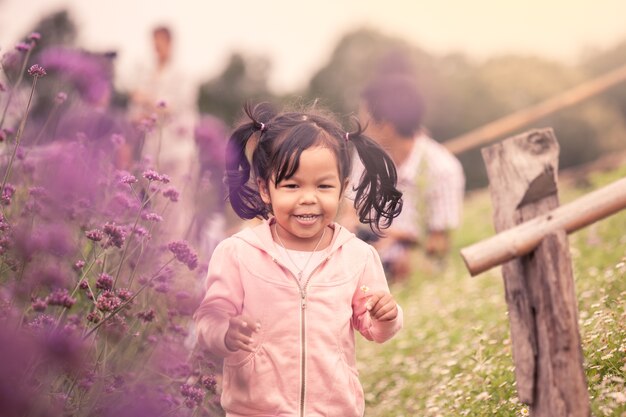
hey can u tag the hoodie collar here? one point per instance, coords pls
(260, 237)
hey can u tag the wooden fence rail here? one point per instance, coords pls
(525, 237)
(500, 127)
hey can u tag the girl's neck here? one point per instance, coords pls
(315, 243)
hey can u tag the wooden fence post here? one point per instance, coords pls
(539, 287)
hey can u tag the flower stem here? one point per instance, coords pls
(131, 298)
(127, 243)
(15, 87)
(18, 136)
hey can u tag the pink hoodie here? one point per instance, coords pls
(304, 361)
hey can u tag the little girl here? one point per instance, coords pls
(284, 298)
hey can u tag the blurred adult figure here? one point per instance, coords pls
(162, 103)
(430, 177)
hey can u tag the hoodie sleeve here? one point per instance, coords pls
(222, 300)
(372, 280)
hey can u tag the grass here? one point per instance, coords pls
(453, 357)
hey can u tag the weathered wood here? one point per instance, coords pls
(522, 239)
(521, 118)
(522, 183)
(560, 383)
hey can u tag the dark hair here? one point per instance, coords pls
(395, 99)
(278, 140)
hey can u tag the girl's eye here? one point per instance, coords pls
(326, 186)
(290, 185)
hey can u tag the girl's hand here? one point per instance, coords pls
(239, 333)
(382, 306)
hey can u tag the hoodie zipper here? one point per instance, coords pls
(303, 305)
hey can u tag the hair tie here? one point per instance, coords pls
(262, 127)
(347, 136)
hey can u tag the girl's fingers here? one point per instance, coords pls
(245, 325)
(382, 306)
(239, 334)
(388, 313)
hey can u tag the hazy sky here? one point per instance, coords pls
(299, 36)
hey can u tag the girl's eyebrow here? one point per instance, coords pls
(324, 178)
(327, 177)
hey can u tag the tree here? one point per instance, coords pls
(244, 78)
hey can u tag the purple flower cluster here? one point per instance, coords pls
(152, 175)
(152, 217)
(193, 395)
(184, 254)
(171, 193)
(95, 234)
(108, 301)
(104, 282)
(36, 71)
(83, 258)
(61, 297)
(116, 234)
(128, 179)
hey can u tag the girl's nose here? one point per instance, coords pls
(308, 197)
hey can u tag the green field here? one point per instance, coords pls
(453, 357)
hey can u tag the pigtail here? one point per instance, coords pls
(377, 199)
(243, 195)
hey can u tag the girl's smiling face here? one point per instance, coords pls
(306, 203)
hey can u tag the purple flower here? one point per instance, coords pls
(2, 87)
(193, 395)
(78, 265)
(39, 304)
(151, 175)
(34, 36)
(42, 322)
(153, 217)
(95, 234)
(147, 316)
(116, 234)
(171, 193)
(3, 136)
(140, 231)
(7, 194)
(108, 301)
(36, 71)
(83, 285)
(37, 191)
(61, 297)
(128, 179)
(124, 294)
(104, 282)
(88, 380)
(209, 383)
(94, 317)
(23, 46)
(60, 97)
(184, 254)
(147, 124)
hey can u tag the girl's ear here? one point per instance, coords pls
(263, 191)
